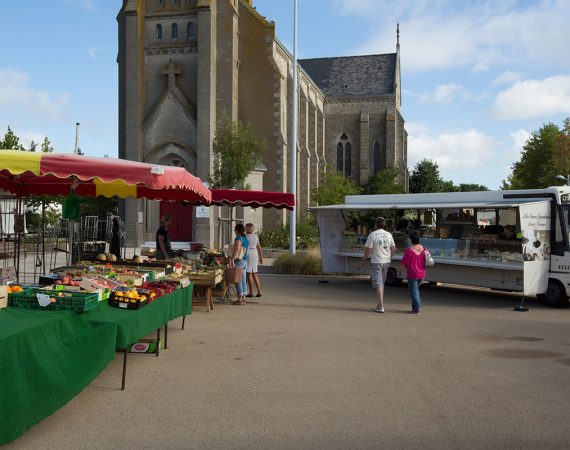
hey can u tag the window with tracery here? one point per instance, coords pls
(378, 158)
(159, 31)
(344, 155)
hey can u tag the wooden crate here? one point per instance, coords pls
(211, 279)
(3, 296)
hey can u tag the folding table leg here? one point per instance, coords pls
(166, 335)
(126, 352)
(183, 320)
(157, 341)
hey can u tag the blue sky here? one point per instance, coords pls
(477, 76)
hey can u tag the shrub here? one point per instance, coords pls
(300, 264)
(307, 236)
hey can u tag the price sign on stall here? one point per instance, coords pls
(43, 299)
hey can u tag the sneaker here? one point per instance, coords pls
(413, 311)
(378, 309)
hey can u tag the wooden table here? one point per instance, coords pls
(203, 287)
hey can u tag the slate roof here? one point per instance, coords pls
(369, 75)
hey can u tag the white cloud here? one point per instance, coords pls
(93, 53)
(534, 98)
(447, 93)
(466, 150)
(507, 77)
(519, 138)
(16, 93)
(444, 34)
(479, 68)
(443, 94)
(87, 5)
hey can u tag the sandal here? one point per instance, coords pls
(258, 295)
(237, 302)
(250, 295)
(242, 302)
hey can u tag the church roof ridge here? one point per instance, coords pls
(348, 56)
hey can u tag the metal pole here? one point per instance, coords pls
(76, 137)
(293, 144)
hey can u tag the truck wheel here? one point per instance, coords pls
(555, 296)
(392, 277)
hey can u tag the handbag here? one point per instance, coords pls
(233, 275)
(428, 258)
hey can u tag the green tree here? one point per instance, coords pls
(384, 182)
(447, 186)
(561, 151)
(237, 152)
(46, 146)
(333, 188)
(425, 177)
(11, 141)
(535, 168)
(469, 187)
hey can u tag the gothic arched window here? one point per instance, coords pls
(159, 31)
(344, 156)
(174, 31)
(190, 32)
(378, 158)
(340, 157)
(176, 163)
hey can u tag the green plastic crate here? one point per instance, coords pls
(71, 300)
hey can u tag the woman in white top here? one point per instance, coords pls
(254, 257)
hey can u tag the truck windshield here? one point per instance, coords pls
(566, 220)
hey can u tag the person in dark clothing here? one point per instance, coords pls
(163, 249)
(116, 237)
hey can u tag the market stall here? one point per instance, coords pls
(58, 338)
(508, 240)
(49, 174)
(48, 357)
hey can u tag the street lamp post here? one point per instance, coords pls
(293, 143)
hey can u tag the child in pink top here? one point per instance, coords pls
(414, 260)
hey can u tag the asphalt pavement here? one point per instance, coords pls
(310, 366)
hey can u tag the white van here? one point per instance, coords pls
(508, 240)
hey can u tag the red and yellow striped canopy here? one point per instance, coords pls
(30, 173)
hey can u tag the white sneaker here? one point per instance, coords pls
(378, 309)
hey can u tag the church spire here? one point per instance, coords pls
(398, 36)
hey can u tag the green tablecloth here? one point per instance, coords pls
(132, 325)
(48, 357)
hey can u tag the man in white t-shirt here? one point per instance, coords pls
(380, 244)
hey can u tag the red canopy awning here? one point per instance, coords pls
(31, 173)
(255, 199)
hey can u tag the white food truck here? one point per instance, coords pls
(506, 240)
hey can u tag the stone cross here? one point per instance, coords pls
(171, 70)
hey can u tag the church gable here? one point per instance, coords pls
(173, 118)
(362, 76)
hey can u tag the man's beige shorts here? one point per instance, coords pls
(378, 274)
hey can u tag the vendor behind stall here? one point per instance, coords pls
(163, 249)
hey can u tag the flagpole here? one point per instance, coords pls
(293, 143)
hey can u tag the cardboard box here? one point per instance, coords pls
(136, 279)
(7, 275)
(145, 346)
(3, 296)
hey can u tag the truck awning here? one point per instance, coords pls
(427, 205)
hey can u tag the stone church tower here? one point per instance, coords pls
(186, 64)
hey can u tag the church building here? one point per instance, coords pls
(184, 65)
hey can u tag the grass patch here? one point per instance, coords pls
(307, 263)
